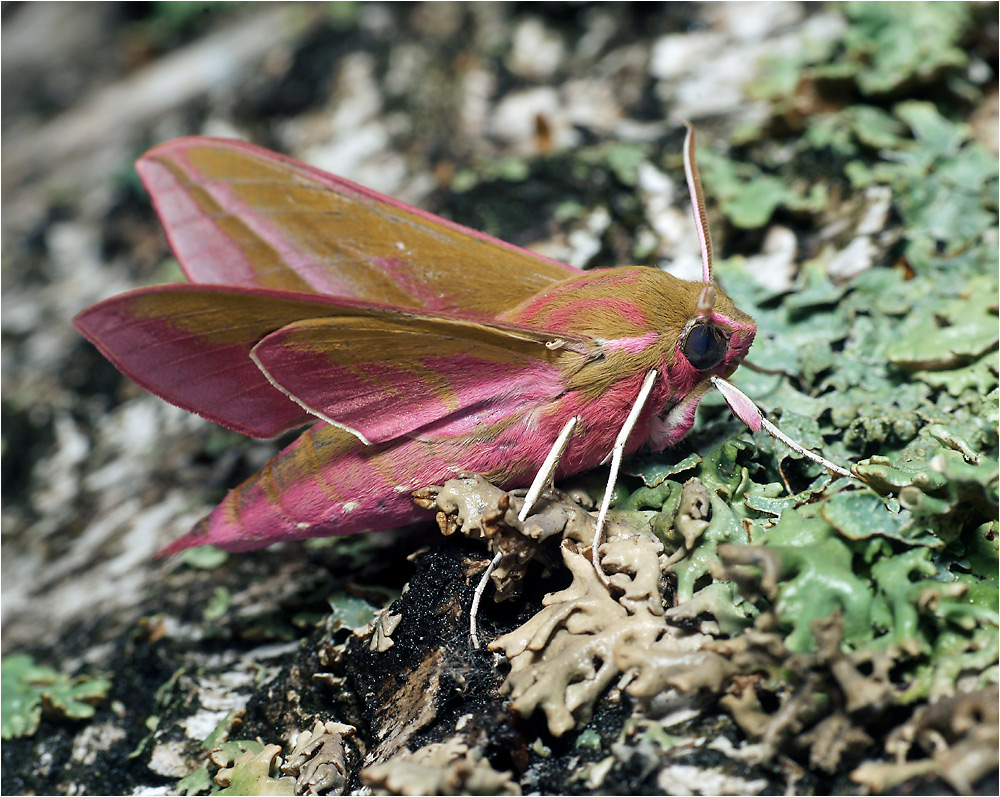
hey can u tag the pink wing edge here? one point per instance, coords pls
(282, 407)
(144, 166)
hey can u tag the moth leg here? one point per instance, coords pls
(542, 480)
(748, 412)
(548, 469)
(617, 453)
(478, 596)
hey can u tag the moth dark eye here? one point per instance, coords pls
(705, 346)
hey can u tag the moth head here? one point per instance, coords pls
(716, 333)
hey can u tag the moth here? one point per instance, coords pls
(416, 349)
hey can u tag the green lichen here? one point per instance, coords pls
(204, 557)
(508, 169)
(885, 48)
(250, 768)
(198, 782)
(349, 611)
(852, 130)
(30, 691)
(902, 571)
(888, 45)
(218, 605)
(894, 369)
(884, 391)
(623, 160)
(749, 197)
(222, 730)
(726, 480)
(239, 767)
(944, 186)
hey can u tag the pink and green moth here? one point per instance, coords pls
(416, 348)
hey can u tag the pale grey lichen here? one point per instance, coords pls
(381, 629)
(594, 773)
(687, 779)
(479, 510)
(958, 734)
(585, 637)
(563, 658)
(318, 759)
(450, 767)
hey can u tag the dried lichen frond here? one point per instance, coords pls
(834, 739)
(959, 736)
(450, 767)
(825, 700)
(479, 510)
(674, 662)
(694, 512)
(318, 760)
(959, 733)
(565, 656)
(381, 629)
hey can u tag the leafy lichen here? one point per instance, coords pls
(319, 759)
(890, 364)
(749, 197)
(250, 768)
(31, 691)
(439, 768)
(564, 658)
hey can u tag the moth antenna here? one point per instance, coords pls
(748, 412)
(617, 453)
(478, 596)
(697, 204)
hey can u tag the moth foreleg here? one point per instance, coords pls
(478, 596)
(617, 454)
(542, 480)
(548, 469)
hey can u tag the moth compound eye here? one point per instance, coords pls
(705, 346)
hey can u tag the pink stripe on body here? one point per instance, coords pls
(548, 312)
(634, 345)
